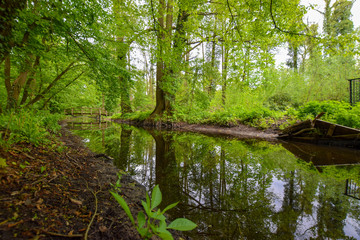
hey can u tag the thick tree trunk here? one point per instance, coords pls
(161, 103)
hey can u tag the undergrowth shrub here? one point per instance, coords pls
(331, 108)
(338, 112)
(29, 126)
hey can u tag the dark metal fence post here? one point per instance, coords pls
(350, 91)
(354, 89)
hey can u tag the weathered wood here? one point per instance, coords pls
(86, 111)
(302, 131)
(331, 130)
(322, 132)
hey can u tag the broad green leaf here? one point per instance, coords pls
(182, 224)
(124, 205)
(169, 207)
(141, 219)
(165, 235)
(156, 197)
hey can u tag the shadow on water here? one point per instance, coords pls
(241, 189)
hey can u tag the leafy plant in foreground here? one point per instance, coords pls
(154, 222)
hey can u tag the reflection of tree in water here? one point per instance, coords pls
(122, 160)
(331, 213)
(226, 194)
(287, 217)
(166, 170)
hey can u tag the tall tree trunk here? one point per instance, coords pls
(30, 80)
(161, 101)
(224, 73)
(211, 88)
(167, 71)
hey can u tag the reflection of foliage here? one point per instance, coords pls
(252, 189)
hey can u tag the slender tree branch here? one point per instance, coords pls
(285, 31)
(41, 95)
(56, 93)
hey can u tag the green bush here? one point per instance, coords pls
(29, 126)
(331, 108)
(338, 112)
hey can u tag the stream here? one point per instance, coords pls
(239, 189)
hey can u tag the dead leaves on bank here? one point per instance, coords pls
(42, 194)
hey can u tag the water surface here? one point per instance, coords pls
(241, 189)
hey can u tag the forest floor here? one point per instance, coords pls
(62, 191)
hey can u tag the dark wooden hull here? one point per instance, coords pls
(322, 132)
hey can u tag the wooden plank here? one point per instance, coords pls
(331, 130)
(349, 136)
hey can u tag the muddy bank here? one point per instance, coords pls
(238, 131)
(63, 193)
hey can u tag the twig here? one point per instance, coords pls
(95, 212)
(43, 179)
(61, 235)
(26, 155)
(73, 160)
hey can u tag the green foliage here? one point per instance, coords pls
(338, 112)
(29, 126)
(154, 222)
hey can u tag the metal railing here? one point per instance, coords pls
(354, 90)
(352, 189)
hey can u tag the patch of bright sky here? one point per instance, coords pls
(314, 16)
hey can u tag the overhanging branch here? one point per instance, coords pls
(285, 31)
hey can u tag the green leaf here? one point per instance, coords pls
(3, 163)
(147, 199)
(124, 205)
(165, 235)
(156, 197)
(142, 231)
(141, 219)
(169, 207)
(182, 224)
(158, 215)
(146, 208)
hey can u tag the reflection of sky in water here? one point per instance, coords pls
(277, 188)
(352, 227)
(198, 166)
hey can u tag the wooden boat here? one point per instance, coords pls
(322, 132)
